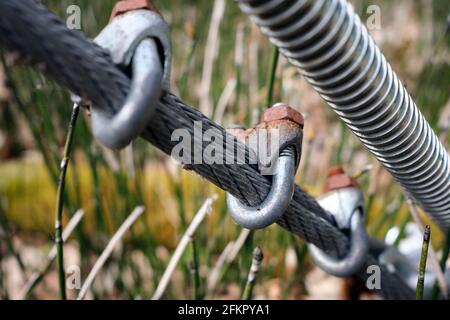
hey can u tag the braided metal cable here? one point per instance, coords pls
(51, 43)
(41, 38)
(304, 217)
(330, 46)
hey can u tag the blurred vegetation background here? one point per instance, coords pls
(230, 87)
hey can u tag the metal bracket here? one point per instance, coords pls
(283, 160)
(276, 202)
(140, 39)
(344, 202)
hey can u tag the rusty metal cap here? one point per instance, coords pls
(124, 6)
(338, 179)
(282, 111)
(335, 171)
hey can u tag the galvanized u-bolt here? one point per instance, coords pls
(355, 257)
(276, 202)
(135, 37)
(330, 46)
(117, 131)
(343, 200)
(282, 125)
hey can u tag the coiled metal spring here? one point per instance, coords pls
(326, 40)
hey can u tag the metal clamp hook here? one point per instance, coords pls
(344, 201)
(118, 130)
(353, 261)
(282, 130)
(139, 39)
(276, 202)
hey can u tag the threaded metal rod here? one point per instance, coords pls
(326, 40)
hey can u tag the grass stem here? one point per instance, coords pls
(433, 257)
(194, 266)
(423, 263)
(60, 201)
(129, 221)
(4, 226)
(227, 257)
(182, 83)
(211, 49)
(36, 277)
(271, 75)
(205, 209)
(254, 269)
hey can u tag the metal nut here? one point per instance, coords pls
(338, 179)
(282, 118)
(282, 111)
(240, 133)
(124, 6)
(335, 171)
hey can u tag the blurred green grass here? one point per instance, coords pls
(108, 192)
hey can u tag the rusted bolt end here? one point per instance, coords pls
(335, 171)
(338, 179)
(239, 132)
(124, 6)
(282, 111)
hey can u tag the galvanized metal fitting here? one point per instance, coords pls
(338, 179)
(138, 38)
(132, 25)
(289, 124)
(345, 204)
(276, 202)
